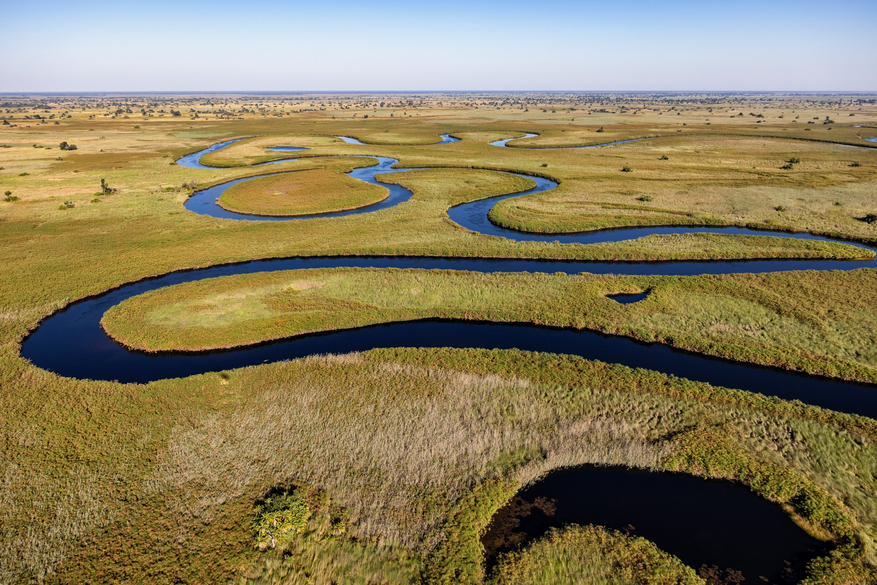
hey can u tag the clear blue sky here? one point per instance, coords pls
(85, 45)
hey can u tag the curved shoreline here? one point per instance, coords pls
(68, 347)
(474, 215)
(206, 201)
(672, 510)
(71, 342)
(504, 143)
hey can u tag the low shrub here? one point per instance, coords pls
(279, 517)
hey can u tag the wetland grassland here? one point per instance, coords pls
(386, 466)
(305, 192)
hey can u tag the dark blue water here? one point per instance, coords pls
(628, 299)
(712, 523)
(701, 522)
(474, 216)
(72, 343)
(205, 202)
(193, 161)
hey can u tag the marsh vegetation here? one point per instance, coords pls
(393, 461)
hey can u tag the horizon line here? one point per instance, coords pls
(434, 91)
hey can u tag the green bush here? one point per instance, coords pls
(626, 169)
(279, 518)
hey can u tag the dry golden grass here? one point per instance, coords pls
(301, 193)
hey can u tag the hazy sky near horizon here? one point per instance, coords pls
(349, 45)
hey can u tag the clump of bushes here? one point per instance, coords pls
(780, 208)
(645, 198)
(664, 157)
(287, 517)
(790, 163)
(626, 169)
(66, 205)
(870, 218)
(105, 188)
(279, 517)
(66, 146)
(9, 197)
(855, 164)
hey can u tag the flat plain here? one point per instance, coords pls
(386, 466)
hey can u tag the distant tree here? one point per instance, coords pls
(105, 188)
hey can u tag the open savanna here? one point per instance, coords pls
(156, 483)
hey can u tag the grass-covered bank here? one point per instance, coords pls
(238, 434)
(767, 319)
(595, 556)
(301, 193)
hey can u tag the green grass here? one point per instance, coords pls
(592, 556)
(708, 180)
(301, 193)
(767, 319)
(157, 483)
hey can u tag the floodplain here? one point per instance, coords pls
(389, 465)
